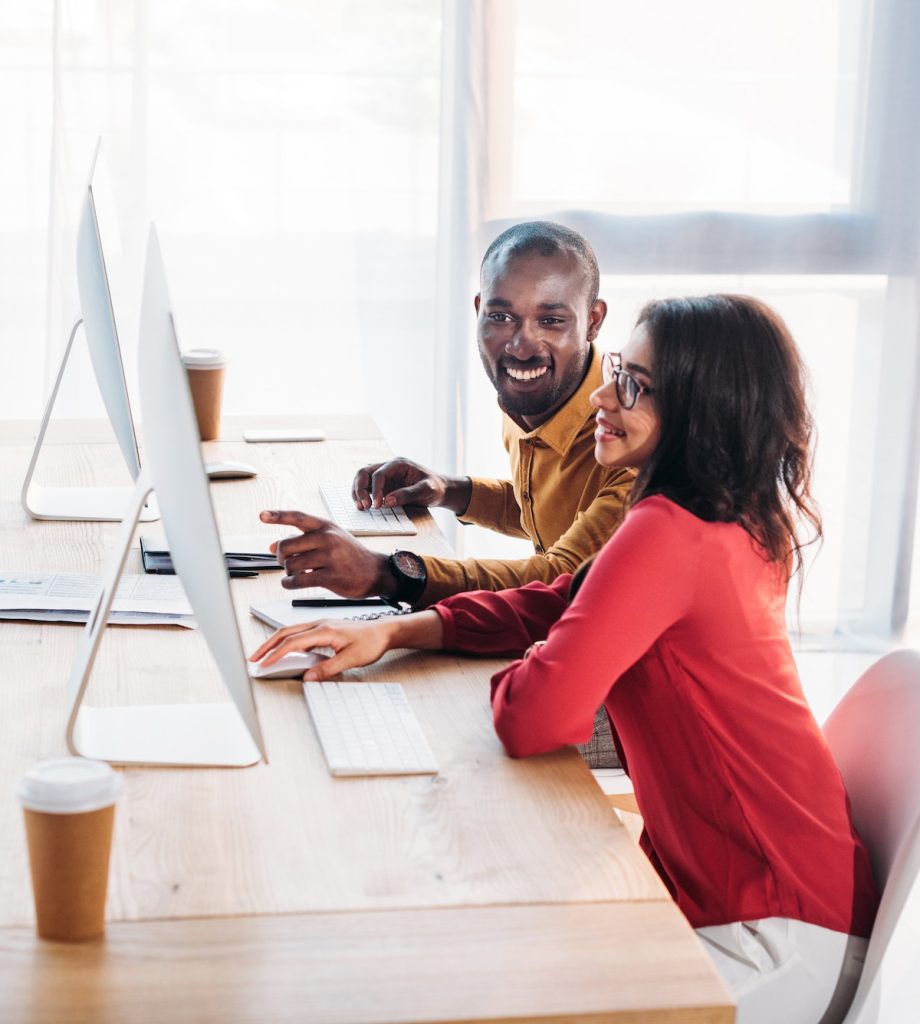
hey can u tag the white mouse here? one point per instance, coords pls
(228, 470)
(288, 666)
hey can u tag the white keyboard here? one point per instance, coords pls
(373, 522)
(368, 729)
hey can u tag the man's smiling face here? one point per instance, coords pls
(534, 328)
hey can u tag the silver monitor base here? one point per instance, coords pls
(181, 735)
(205, 735)
(86, 504)
(93, 504)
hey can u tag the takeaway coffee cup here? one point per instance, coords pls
(205, 368)
(69, 808)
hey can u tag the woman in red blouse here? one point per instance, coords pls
(678, 629)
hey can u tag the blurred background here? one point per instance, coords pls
(325, 177)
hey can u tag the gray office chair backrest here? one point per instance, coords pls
(874, 735)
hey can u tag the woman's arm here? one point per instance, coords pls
(355, 643)
(505, 622)
(642, 582)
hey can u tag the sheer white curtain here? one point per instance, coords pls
(289, 156)
(25, 126)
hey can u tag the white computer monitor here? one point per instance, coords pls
(98, 247)
(101, 332)
(182, 734)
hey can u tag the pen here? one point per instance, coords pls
(336, 602)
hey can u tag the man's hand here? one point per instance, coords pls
(326, 556)
(401, 482)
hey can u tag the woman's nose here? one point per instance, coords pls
(605, 397)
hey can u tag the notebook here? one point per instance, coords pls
(244, 556)
(283, 612)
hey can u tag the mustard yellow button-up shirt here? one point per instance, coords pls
(558, 497)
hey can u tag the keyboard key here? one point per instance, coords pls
(373, 522)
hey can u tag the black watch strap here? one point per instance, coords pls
(411, 576)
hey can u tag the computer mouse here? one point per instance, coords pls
(288, 666)
(229, 470)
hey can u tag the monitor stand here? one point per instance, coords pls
(188, 735)
(97, 504)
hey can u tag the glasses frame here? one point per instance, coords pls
(629, 389)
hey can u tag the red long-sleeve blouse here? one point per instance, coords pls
(679, 630)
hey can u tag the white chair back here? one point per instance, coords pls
(874, 735)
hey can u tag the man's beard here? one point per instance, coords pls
(537, 403)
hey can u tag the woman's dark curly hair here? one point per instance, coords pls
(736, 434)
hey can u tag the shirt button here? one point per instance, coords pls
(526, 495)
(539, 549)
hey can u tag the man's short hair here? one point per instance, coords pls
(546, 238)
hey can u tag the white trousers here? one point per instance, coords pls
(779, 969)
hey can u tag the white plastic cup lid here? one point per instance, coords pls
(204, 359)
(71, 785)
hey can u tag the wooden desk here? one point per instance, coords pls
(496, 890)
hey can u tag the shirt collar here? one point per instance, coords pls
(561, 430)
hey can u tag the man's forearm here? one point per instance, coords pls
(492, 504)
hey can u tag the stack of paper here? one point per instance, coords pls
(70, 597)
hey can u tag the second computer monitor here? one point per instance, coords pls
(99, 322)
(174, 734)
(100, 329)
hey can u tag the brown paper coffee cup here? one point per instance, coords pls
(206, 369)
(69, 809)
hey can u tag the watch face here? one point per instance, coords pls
(410, 564)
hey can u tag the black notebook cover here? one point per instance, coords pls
(156, 559)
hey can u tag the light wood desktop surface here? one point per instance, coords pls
(495, 890)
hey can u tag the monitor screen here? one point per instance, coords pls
(98, 311)
(173, 461)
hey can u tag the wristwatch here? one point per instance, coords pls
(411, 576)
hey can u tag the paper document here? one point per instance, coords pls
(70, 597)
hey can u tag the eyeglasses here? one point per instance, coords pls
(628, 388)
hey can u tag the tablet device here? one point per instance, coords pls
(284, 434)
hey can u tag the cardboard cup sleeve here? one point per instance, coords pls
(206, 369)
(69, 810)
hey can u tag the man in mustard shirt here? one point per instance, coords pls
(538, 314)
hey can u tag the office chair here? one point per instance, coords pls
(874, 735)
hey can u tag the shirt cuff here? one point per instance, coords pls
(482, 503)
(449, 638)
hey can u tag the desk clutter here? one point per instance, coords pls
(286, 612)
(71, 597)
(244, 556)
